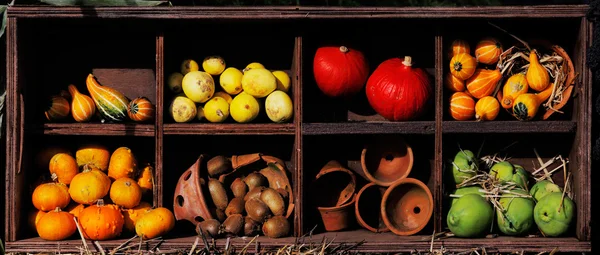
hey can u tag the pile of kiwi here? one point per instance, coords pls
(248, 207)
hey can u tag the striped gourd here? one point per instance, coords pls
(111, 103)
(462, 106)
(58, 109)
(141, 109)
(483, 82)
(82, 106)
(488, 51)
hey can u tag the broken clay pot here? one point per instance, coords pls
(335, 185)
(387, 160)
(407, 206)
(367, 199)
(189, 203)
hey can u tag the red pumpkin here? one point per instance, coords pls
(398, 91)
(340, 71)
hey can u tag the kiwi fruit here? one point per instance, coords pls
(218, 193)
(239, 188)
(209, 228)
(256, 179)
(257, 209)
(251, 227)
(218, 165)
(233, 225)
(273, 200)
(236, 206)
(254, 193)
(275, 227)
(219, 214)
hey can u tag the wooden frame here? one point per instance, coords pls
(438, 128)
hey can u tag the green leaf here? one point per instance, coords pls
(103, 2)
(3, 25)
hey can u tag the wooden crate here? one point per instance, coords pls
(135, 49)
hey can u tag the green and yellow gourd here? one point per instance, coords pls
(526, 105)
(111, 104)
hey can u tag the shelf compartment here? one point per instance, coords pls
(369, 127)
(229, 129)
(111, 129)
(492, 127)
(512, 244)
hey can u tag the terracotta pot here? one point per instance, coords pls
(387, 160)
(368, 198)
(407, 206)
(335, 185)
(340, 217)
(188, 202)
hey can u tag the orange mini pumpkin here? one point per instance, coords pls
(155, 223)
(58, 108)
(34, 217)
(63, 168)
(483, 82)
(487, 108)
(454, 84)
(146, 180)
(42, 159)
(75, 209)
(488, 51)
(462, 106)
(131, 215)
(94, 155)
(462, 66)
(48, 196)
(459, 46)
(89, 186)
(122, 164)
(83, 107)
(56, 225)
(140, 109)
(101, 222)
(125, 192)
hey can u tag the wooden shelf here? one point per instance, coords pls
(229, 129)
(372, 127)
(112, 129)
(509, 127)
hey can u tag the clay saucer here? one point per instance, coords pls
(387, 160)
(407, 206)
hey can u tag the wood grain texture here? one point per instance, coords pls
(384, 127)
(229, 129)
(297, 88)
(509, 127)
(112, 129)
(160, 77)
(439, 101)
(12, 126)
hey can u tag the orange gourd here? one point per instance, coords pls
(58, 108)
(140, 109)
(101, 221)
(527, 105)
(155, 223)
(56, 225)
(462, 66)
(63, 168)
(42, 159)
(146, 180)
(454, 84)
(34, 217)
(537, 75)
(459, 46)
(483, 82)
(487, 108)
(89, 186)
(93, 155)
(514, 86)
(48, 196)
(75, 209)
(462, 106)
(82, 106)
(125, 192)
(122, 164)
(131, 215)
(488, 51)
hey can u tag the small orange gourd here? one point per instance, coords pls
(58, 108)
(125, 192)
(83, 107)
(131, 215)
(487, 108)
(89, 186)
(146, 180)
(537, 75)
(63, 168)
(155, 223)
(122, 164)
(101, 221)
(459, 46)
(454, 84)
(75, 209)
(527, 105)
(514, 86)
(488, 51)
(462, 106)
(140, 109)
(93, 155)
(34, 217)
(483, 82)
(48, 196)
(56, 225)
(462, 66)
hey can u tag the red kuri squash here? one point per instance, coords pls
(340, 71)
(398, 91)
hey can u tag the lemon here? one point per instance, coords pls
(283, 81)
(259, 83)
(189, 65)
(200, 113)
(198, 86)
(213, 65)
(216, 110)
(244, 108)
(254, 65)
(224, 95)
(279, 106)
(174, 82)
(182, 109)
(231, 80)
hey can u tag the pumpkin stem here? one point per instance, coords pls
(54, 177)
(407, 61)
(100, 202)
(57, 209)
(343, 49)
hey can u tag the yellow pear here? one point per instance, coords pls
(259, 83)
(244, 108)
(198, 86)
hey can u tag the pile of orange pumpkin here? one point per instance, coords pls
(98, 192)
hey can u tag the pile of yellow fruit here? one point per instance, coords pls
(241, 95)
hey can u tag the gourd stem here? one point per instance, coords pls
(100, 202)
(343, 49)
(407, 61)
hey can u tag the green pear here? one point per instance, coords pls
(471, 216)
(552, 218)
(466, 190)
(464, 166)
(507, 172)
(542, 188)
(517, 216)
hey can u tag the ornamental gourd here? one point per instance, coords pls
(514, 86)
(155, 223)
(487, 108)
(111, 104)
(462, 106)
(483, 82)
(488, 51)
(131, 215)
(454, 84)
(537, 75)
(398, 91)
(58, 109)
(82, 106)
(101, 222)
(89, 186)
(56, 225)
(141, 109)
(93, 155)
(462, 66)
(122, 164)
(526, 105)
(48, 196)
(146, 180)
(340, 71)
(125, 192)
(459, 46)
(63, 167)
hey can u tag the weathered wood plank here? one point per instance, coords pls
(509, 127)
(383, 127)
(230, 129)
